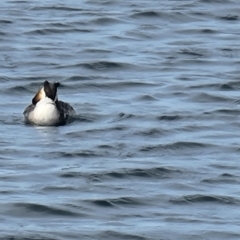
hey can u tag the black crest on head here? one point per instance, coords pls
(50, 89)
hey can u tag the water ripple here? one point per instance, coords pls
(155, 142)
(197, 198)
(40, 209)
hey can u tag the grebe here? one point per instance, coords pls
(46, 109)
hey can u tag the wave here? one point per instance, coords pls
(40, 209)
(115, 202)
(149, 14)
(154, 173)
(176, 145)
(200, 198)
(51, 31)
(106, 21)
(114, 235)
(230, 17)
(57, 8)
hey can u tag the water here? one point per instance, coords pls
(154, 151)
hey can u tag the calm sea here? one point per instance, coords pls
(154, 151)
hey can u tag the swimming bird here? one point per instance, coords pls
(46, 109)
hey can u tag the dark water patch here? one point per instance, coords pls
(217, 1)
(105, 3)
(93, 177)
(198, 198)
(100, 66)
(19, 1)
(235, 84)
(29, 237)
(81, 118)
(224, 167)
(176, 16)
(116, 146)
(34, 208)
(81, 81)
(81, 134)
(140, 34)
(194, 127)
(79, 154)
(106, 21)
(71, 175)
(4, 21)
(106, 146)
(226, 49)
(237, 149)
(169, 118)
(206, 97)
(106, 65)
(114, 235)
(11, 150)
(125, 115)
(125, 38)
(31, 80)
(199, 31)
(227, 175)
(221, 234)
(153, 132)
(57, 8)
(147, 97)
(146, 14)
(6, 192)
(208, 31)
(2, 34)
(84, 118)
(176, 146)
(185, 78)
(58, 188)
(183, 220)
(59, 25)
(12, 120)
(237, 101)
(226, 112)
(122, 201)
(53, 31)
(102, 203)
(224, 178)
(191, 52)
(44, 49)
(96, 50)
(230, 17)
(226, 87)
(110, 129)
(196, 62)
(17, 89)
(106, 84)
(153, 173)
(201, 14)
(77, 78)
